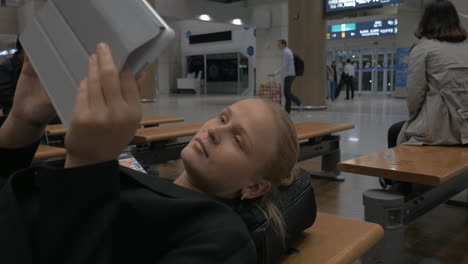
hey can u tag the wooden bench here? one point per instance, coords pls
(45, 152)
(316, 139)
(147, 121)
(443, 170)
(310, 130)
(162, 133)
(335, 240)
(161, 144)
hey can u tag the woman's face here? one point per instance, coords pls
(229, 152)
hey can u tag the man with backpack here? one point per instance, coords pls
(288, 70)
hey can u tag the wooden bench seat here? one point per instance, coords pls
(425, 165)
(148, 121)
(305, 131)
(335, 240)
(45, 152)
(153, 134)
(59, 130)
(309, 130)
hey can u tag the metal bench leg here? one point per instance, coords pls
(329, 149)
(329, 171)
(386, 209)
(459, 203)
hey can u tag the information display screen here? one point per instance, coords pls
(340, 5)
(375, 28)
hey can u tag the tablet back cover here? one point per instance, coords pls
(65, 33)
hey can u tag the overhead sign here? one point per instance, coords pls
(340, 5)
(374, 28)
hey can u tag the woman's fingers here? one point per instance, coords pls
(110, 79)
(82, 98)
(94, 91)
(130, 90)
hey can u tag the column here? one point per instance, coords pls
(307, 39)
(147, 82)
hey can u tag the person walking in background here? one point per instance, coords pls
(349, 73)
(9, 74)
(289, 72)
(331, 81)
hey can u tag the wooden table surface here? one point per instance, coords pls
(416, 164)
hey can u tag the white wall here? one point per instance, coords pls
(267, 58)
(8, 21)
(168, 65)
(171, 65)
(26, 13)
(268, 54)
(242, 38)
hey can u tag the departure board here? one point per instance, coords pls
(374, 28)
(340, 5)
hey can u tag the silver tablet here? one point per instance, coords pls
(65, 33)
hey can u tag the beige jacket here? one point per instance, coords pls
(437, 94)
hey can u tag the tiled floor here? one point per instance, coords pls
(440, 235)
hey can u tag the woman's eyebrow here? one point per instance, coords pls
(240, 129)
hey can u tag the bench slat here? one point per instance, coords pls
(314, 129)
(55, 130)
(152, 134)
(59, 130)
(335, 240)
(305, 130)
(45, 152)
(157, 120)
(426, 165)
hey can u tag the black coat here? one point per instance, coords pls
(10, 71)
(109, 214)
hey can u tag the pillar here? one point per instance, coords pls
(307, 39)
(147, 82)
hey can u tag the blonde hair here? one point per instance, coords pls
(281, 170)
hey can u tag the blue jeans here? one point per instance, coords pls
(331, 89)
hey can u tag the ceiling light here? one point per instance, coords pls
(205, 17)
(237, 21)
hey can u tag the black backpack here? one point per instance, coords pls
(298, 65)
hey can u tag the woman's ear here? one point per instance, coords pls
(256, 189)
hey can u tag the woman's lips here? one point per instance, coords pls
(201, 146)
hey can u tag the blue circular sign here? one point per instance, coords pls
(250, 51)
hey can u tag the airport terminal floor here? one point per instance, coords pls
(441, 236)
